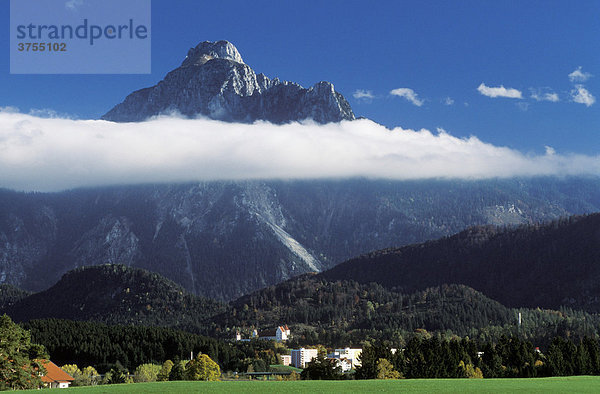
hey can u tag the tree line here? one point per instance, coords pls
(509, 357)
(126, 347)
(423, 356)
(432, 357)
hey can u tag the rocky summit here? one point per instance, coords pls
(213, 81)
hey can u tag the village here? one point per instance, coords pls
(345, 358)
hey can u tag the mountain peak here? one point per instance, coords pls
(208, 50)
(213, 81)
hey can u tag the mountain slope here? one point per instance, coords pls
(116, 294)
(552, 265)
(214, 81)
(226, 239)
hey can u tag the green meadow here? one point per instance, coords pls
(575, 384)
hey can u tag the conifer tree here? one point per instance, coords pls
(20, 360)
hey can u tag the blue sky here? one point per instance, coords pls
(440, 51)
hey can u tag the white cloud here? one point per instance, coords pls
(363, 95)
(54, 154)
(579, 76)
(73, 4)
(448, 101)
(549, 150)
(500, 91)
(523, 106)
(582, 96)
(408, 94)
(544, 95)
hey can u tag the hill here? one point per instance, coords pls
(348, 305)
(336, 313)
(345, 312)
(117, 294)
(549, 266)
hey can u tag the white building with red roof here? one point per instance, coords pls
(55, 377)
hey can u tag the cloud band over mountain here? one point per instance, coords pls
(54, 154)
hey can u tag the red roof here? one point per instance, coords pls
(54, 373)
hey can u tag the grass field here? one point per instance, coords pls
(579, 384)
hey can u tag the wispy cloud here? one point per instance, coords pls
(579, 76)
(544, 95)
(49, 113)
(408, 94)
(9, 110)
(523, 106)
(499, 91)
(73, 4)
(582, 96)
(360, 94)
(448, 101)
(53, 154)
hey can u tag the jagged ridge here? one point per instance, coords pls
(213, 81)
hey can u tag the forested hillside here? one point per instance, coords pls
(117, 294)
(337, 313)
(549, 265)
(340, 313)
(346, 305)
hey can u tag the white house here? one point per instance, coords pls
(348, 353)
(279, 334)
(344, 364)
(282, 333)
(55, 377)
(301, 357)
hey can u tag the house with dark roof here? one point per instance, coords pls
(278, 334)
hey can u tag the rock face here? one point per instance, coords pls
(226, 239)
(214, 81)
